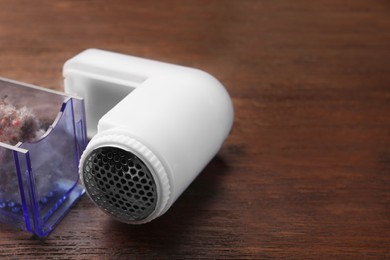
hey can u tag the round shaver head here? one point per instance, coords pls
(120, 183)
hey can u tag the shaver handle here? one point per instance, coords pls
(104, 78)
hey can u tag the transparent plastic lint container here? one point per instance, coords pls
(42, 136)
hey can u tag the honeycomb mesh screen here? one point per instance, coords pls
(120, 183)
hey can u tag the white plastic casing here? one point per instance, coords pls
(173, 118)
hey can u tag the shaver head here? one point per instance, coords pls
(120, 183)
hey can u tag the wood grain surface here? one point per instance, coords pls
(305, 171)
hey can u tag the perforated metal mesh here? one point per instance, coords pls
(120, 183)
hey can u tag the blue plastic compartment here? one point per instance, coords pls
(39, 181)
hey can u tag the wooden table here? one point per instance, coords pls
(305, 171)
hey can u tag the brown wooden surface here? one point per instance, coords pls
(305, 172)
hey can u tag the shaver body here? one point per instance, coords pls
(163, 123)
